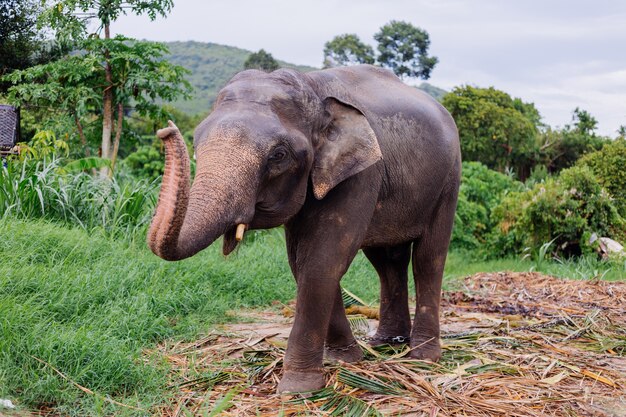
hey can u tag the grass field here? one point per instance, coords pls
(88, 306)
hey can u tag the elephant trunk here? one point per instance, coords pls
(186, 219)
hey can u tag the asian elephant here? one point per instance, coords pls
(346, 159)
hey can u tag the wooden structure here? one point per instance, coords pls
(9, 130)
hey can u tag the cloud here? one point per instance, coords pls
(559, 54)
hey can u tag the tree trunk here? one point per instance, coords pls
(118, 134)
(107, 111)
(81, 135)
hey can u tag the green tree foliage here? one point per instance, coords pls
(564, 210)
(110, 76)
(70, 19)
(71, 86)
(403, 48)
(481, 191)
(560, 149)
(609, 166)
(22, 43)
(147, 162)
(347, 49)
(494, 128)
(261, 60)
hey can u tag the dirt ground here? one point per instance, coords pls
(514, 344)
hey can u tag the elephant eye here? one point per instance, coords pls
(278, 155)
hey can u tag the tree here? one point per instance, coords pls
(71, 86)
(403, 48)
(22, 44)
(560, 149)
(584, 122)
(347, 49)
(494, 129)
(261, 60)
(69, 18)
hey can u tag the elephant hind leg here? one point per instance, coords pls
(391, 264)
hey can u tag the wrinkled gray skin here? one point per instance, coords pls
(347, 159)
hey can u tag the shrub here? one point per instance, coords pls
(481, 190)
(609, 166)
(43, 190)
(565, 210)
(147, 162)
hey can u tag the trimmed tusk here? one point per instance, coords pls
(241, 228)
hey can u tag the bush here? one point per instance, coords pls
(42, 190)
(481, 190)
(609, 166)
(565, 210)
(147, 162)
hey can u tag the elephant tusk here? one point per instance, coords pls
(241, 228)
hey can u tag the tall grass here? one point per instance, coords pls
(43, 190)
(92, 307)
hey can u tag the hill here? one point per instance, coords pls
(212, 65)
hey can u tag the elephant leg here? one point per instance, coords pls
(429, 257)
(322, 240)
(340, 343)
(391, 264)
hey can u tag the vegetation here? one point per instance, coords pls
(494, 128)
(45, 190)
(402, 47)
(347, 49)
(261, 60)
(110, 72)
(482, 189)
(129, 68)
(88, 306)
(562, 212)
(608, 166)
(561, 149)
(83, 303)
(211, 66)
(22, 42)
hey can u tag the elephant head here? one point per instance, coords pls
(268, 134)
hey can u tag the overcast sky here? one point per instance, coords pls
(559, 54)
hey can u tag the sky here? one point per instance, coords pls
(558, 54)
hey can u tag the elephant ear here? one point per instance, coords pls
(348, 145)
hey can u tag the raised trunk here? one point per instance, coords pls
(188, 219)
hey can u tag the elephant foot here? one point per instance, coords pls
(427, 349)
(384, 339)
(350, 353)
(301, 381)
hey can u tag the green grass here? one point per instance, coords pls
(90, 306)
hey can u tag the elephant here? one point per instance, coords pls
(345, 159)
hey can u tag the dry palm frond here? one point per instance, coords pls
(515, 344)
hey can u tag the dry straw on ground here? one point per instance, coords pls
(515, 344)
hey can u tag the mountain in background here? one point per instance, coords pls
(212, 65)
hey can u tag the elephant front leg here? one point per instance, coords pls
(303, 364)
(322, 241)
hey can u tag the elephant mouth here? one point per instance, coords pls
(230, 240)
